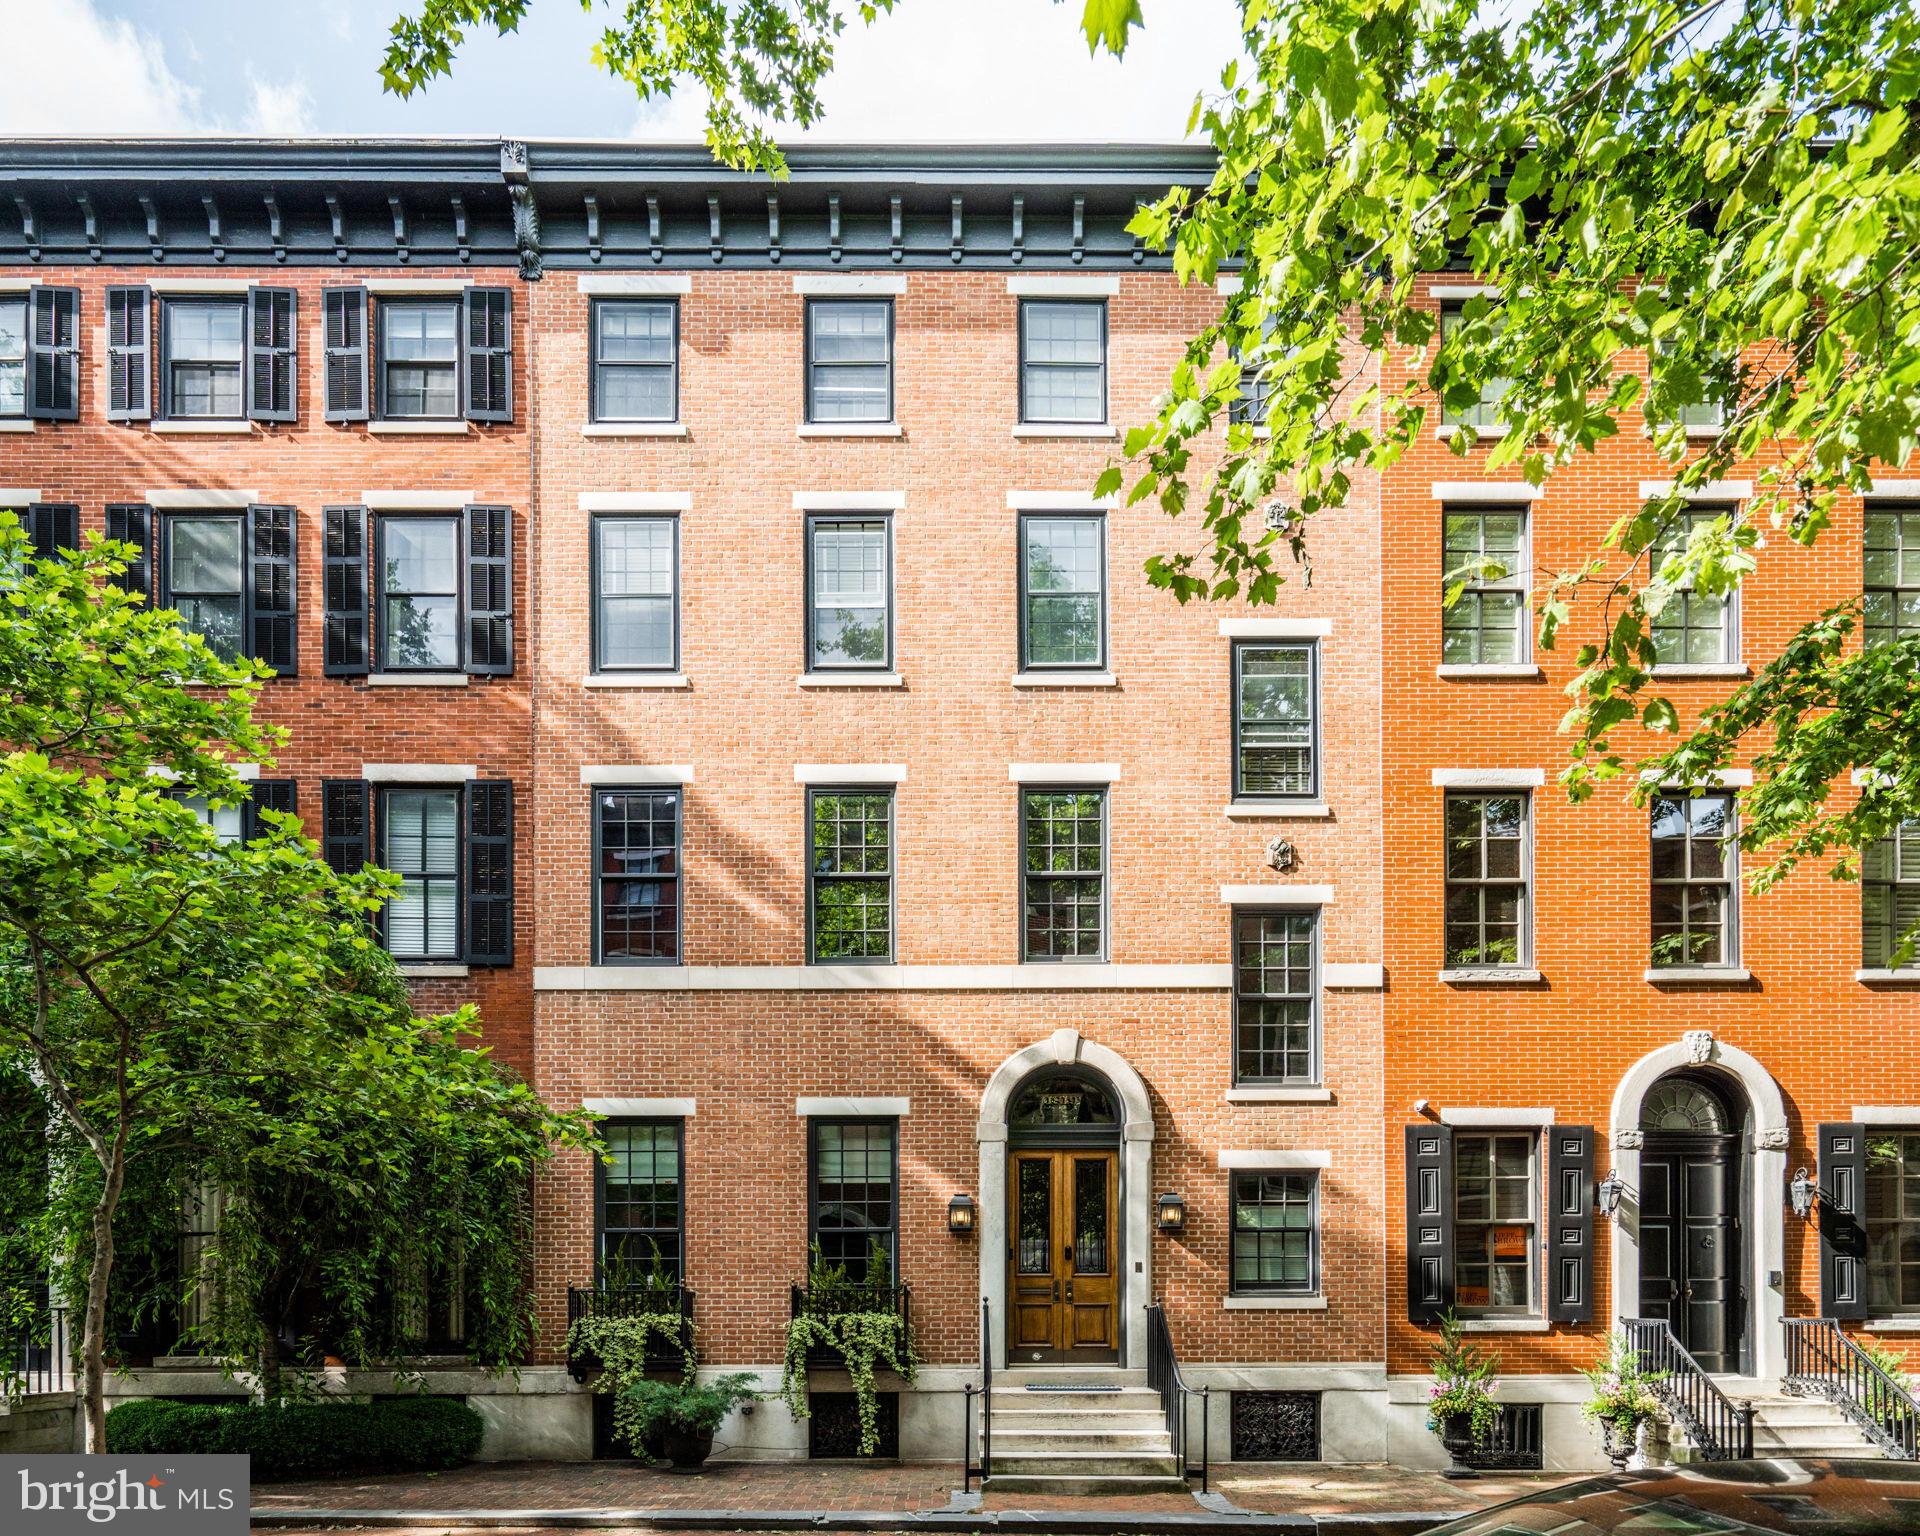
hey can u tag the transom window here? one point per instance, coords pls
(1063, 360)
(1695, 860)
(849, 360)
(1487, 918)
(636, 351)
(419, 596)
(1485, 556)
(13, 356)
(854, 1209)
(1275, 1234)
(1062, 1098)
(852, 874)
(1694, 628)
(849, 582)
(637, 874)
(204, 344)
(205, 579)
(1484, 415)
(1064, 847)
(636, 574)
(1275, 997)
(1892, 597)
(1890, 901)
(1063, 592)
(1893, 1221)
(1681, 1104)
(641, 1205)
(421, 844)
(419, 358)
(1274, 729)
(1494, 1203)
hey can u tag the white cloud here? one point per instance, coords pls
(120, 83)
(279, 109)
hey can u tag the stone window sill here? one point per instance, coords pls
(1694, 975)
(1488, 669)
(1909, 977)
(1273, 1303)
(201, 428)
(423, 970)
(16, 424)
(1065, 680)
(634, 429)
(1302, 1095)
(850, 680)
(1066, 429)
(1504, 1325)
(1276, 810)
(1685, 670)
(1470, 978)
(1904, 1322)
(419, 428)
(850, 429)
(636, 680)
(416, 680)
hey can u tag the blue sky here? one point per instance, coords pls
(937, 69)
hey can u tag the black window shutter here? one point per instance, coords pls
(267, 795)
(272, 588)
(490, 590)
(345, 579)
(51, 527)
(1569, 1223)
(490, 872)
(273, 354)
(53, 354)
(132, 523)
(487, 315)
(346, 824)
(344, 313)
(129, 354)
(1429, 1222)
(1843, 1201)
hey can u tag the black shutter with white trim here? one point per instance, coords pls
(129, 354)
(132, 523)
(489, 539)
(344, 321)
(51, 527)
(53, 354)
(273, 354)
(1569, 1223)
(266, 795)
(346, 824)
(1429, 1222)
(490, 872)
(487, 336)
(1843, 1201)
(272, 589)
(344, 577)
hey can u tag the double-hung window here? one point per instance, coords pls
(227, 357)
(1893, 1222)
(636, 360)
(637, 875)
(203, 352)
(1487, 919)
(417, 565)
(1485, 558)
(1063, 592)
(1694, 628)
(13, 355)
(230, 575)
(641, 1202)
(1276, 997)
(1890, 901)
(1495, 1205)
(1695, 864)
(1063, 855)
(1063, 360)
(854, 1208)
(849, 593)
(421, 844)
(1704, 409)
(428, 591)
(419, 359)
(1275, 736)
(205, 577)
(850, 874)
(1484, 414)
(849, 360)
(411, 357)
(1276, 1234)
(1892, 595)
(636, 594)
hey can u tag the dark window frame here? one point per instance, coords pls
(1316, 1066)
(1518, 581)
(1312, 793)
(24, 361)
(382, 306)
(600, 1171)
(1729, 880)
(163, 572)
(1899, 877)
(808, 363)
(382, 793)
(1532, 1221)
(1027, 418)
(596, 307)
(378, 661)
(677, 794)
(168, 304)
(891, 877)
(811, 523)
(597, 661)
(1236, 1286)
(1453, 311)
(1903, 1217)
(1105, 874)
(1524, 959)
(1729, 625)
(1897, 517)
(814, 1125)
(1025, 664)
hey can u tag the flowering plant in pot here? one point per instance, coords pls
(1460, 1405)
(1622, 1398)
(679, 1416)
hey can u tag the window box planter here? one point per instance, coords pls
(632, 1301)
(893, 1299)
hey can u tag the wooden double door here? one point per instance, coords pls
(1690, 1245)
(1063, 1257)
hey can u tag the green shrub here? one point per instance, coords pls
(403, 1434)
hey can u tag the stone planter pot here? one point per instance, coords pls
(686, 1450)
(1456, 1435)
(1618, 1444)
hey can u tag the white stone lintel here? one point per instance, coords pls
(1497, 1119)
(636, 501)
(1064, 773)
(1274, 1160)
(1489, 778)
(1276, 895)
(641, 1109)
(418, 773)
(896, 1108)
(849, 773)
(636, 773)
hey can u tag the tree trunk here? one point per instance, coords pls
(269, 1361)
(93, 1338)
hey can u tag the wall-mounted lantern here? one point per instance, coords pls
(1801, 1194)
(1170, 1214)
(960, 1215)
(1606, 1197)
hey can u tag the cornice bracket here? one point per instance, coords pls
(460, 240)
(92, 222)
(399, 227)
(339, 220)
(1079, 230)
(213, 229)
(773, 230)
(28, 230)
(276, 229)
(593, 227)
(957, 246)
(715, 248)
(154, 242)
(833, 228)
(653, 230)
(526, 216)
(1139, 241)
(896, 251)
(1018, 252)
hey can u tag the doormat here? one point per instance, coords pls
(1067, 1386)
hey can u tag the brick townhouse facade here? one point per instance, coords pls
(692, 585)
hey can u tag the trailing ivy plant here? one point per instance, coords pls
(858, 1320)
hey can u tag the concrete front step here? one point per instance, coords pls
(1126, 1400)
(1157, 1463)
(1154, 1442)
(1041, 1421)
(1096, 1487)
(1075, 1376)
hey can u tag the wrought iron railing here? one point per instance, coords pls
(1163, 1376)
(852, 1297)
(1823, 1362)
(39, 1355)
(983, 1469)
(632, 1301)
(1721, 1428)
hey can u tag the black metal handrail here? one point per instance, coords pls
(39, 1355)
(1720, 1427)
(1823, 1362)
(984, 1469)
(631, 1301)
(1163, 1376)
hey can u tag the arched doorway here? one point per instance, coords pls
(1693, 1183)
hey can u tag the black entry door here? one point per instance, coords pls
(1690, 1246)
